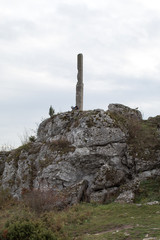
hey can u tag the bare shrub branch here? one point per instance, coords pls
(41, 201)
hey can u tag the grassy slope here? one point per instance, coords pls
(93, 221)
(88, 221)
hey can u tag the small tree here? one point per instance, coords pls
(51, 111)
(32, 138)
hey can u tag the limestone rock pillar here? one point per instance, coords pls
(79, 86)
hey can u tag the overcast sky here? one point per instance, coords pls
(39, 43)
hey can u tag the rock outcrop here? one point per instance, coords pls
(95, 155)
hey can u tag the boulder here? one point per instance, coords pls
(126, 197)
(125, 111)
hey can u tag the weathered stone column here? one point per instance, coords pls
(79, 86)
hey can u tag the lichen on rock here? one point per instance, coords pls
(96, 155)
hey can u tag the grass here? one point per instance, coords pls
(148, 191)
(88, 221)
(61, 146)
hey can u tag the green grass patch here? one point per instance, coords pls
(148, 191)
(92, 221)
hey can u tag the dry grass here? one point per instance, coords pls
(41, 201)
(61, 145)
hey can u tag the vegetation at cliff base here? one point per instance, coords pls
(84, 221)
(149, 191)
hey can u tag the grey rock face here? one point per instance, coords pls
(107, 177)
(126, 111)
(126, 197)
(84, 152)
(2, 162)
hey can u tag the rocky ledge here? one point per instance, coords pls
(94, 155)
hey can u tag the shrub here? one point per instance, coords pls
(32, 138)
(4, 196)
(51, 111)
(41, 201)
(6, 147)
(24, 230)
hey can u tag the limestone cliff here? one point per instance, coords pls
(97, 155)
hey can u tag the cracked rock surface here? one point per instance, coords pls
(85, 152)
